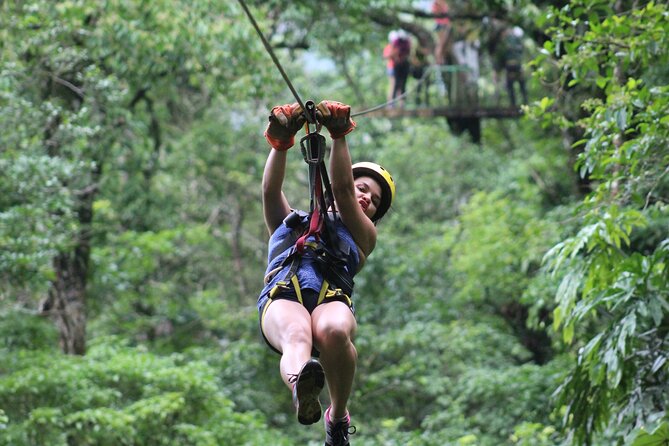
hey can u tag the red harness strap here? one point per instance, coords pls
(315, 222)
(313, 148)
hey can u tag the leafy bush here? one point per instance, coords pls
(122, 396)
(489, 402)
(20, 330)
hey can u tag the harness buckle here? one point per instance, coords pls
(313, 148)
(280, 286)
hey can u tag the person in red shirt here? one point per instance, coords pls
(401, 65)
(388, 51)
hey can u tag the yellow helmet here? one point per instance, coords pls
(385, 180)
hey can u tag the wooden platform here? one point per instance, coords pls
(447, 112)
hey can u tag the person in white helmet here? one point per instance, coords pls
(511, 54)
(305, 308)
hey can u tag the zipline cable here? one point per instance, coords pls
(269, 50)
(271, 53)
(312, 146)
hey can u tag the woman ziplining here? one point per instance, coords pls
(306, 309)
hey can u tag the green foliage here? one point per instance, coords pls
(119, 395)
(469, 405)
(498, 247)
(659, 436)
(447, 380)
(20, 331)
(612, 296)
(36, 210)
(148, 118)
(534, 434)
(420, 223)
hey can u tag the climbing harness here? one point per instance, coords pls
(315, 233)
(313, 150)
(312, 146)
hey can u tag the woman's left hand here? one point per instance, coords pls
(336, 117)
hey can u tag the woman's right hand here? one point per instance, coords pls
(284, 122)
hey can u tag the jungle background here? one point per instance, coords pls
(518, 291)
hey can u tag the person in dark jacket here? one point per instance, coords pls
(511, 58)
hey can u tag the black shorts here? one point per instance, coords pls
(309, 301)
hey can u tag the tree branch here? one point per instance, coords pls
(69, 85)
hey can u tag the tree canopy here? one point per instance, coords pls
(519, 290)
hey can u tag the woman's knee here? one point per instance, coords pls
(296, 332)
(333, 333)
(286, 322)
(333, 326)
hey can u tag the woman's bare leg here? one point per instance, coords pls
(287, 326)
(333, 327)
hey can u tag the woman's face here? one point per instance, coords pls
(368, 194)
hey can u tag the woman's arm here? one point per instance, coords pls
(343, 187)
(274, 203)
(284, 122)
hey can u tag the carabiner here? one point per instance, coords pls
(313, 143)
(313, 148)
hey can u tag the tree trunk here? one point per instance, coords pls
(68, 302)
(238, 257)
(67, 295)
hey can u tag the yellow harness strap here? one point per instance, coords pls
(280, 286)
(283, 285)
(325, 293)
(296, 286)
(328, 293)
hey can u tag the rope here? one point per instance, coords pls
(271, 53)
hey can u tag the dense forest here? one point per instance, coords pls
(519, 290)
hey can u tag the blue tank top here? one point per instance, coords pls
(308, 275)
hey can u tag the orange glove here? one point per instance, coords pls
(284, 122)
(336, 117)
